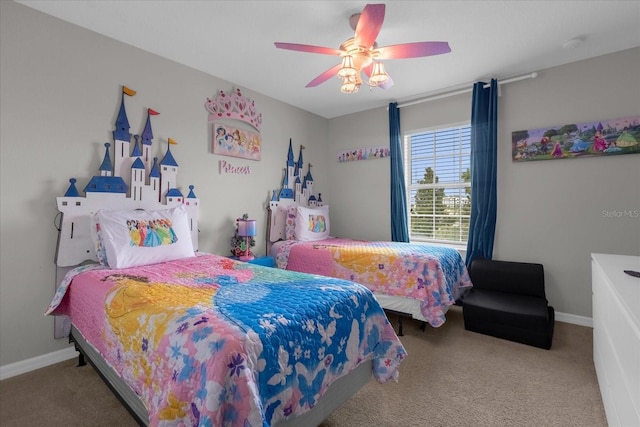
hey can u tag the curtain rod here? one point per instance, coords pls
(461, 91)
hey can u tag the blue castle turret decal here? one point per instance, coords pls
(300, 162)
(136, 148)
(105, 182)
(122, 123)
(130, 182)
(168, 170)
(147, 133)
(106, 167)
(147, 136)
(122, 137)
(72, 191)
(295, 187)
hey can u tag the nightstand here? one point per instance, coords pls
(267, 261)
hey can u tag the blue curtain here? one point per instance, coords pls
(399, 230)
(484, 143)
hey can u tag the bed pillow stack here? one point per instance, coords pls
(129, 238)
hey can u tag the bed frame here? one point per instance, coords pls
(338, 393)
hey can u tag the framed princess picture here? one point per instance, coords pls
(233, 142)
(600, 138)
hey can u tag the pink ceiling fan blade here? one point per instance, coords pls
(413, 50)
(369, 25)
(368, 69)
(333, 71)
(308, 48)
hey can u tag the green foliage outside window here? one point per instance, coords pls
(440, 205)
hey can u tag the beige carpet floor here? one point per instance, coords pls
(451, 377)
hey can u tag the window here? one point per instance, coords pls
(438, 179)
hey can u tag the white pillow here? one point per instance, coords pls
(312, 223)
(138, 237)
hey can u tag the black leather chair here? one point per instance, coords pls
(508, 301)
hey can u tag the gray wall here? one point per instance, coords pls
(549, 212)
(60, 93)
(60, 88)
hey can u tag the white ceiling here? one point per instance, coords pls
(233, 40)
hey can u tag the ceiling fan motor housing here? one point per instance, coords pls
(362, 56)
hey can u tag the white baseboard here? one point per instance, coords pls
(574, 319)
(38, 362)
(24, 366)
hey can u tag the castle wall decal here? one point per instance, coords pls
(295, 187)
(134, 180)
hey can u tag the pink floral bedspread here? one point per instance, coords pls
(208, 341)
(435, 275)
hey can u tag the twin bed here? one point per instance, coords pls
(416, 280)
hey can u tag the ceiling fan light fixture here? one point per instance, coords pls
(347, 69)
(350, 85)
(379, 75)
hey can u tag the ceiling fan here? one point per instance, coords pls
(361, 53)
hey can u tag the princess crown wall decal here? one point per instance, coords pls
(235, 106)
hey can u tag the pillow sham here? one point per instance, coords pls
(96, 237)
(290, 223)
(137, 237)
(312, 223)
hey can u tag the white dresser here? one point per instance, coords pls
(616, 336)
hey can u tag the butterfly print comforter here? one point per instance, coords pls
(209, 341)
